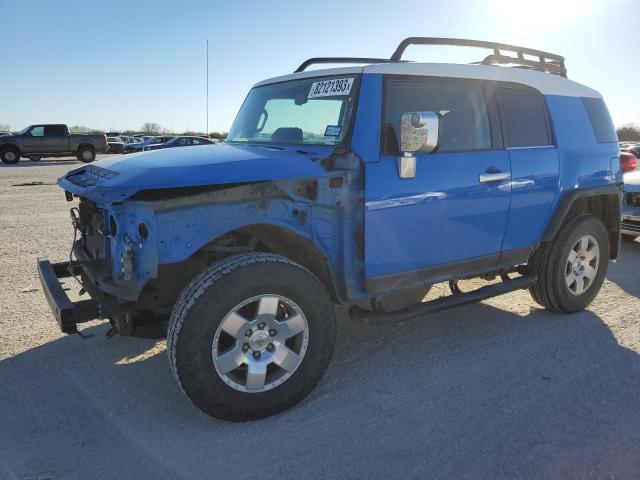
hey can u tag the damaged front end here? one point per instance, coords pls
(101, 262)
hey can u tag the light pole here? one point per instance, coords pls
(207, 131)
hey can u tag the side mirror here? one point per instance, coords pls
(418, 133)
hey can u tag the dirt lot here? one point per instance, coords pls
(500, 389)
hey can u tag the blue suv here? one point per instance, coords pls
(356, 186)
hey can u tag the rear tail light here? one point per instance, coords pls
(104, 139)
(628, 161)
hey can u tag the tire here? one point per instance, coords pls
(10, 155)
(551, 264)
(35, 158)
(86, 154)
(197, 338)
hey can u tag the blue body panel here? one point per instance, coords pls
(366, 130)
(443, 215)
(534, 187)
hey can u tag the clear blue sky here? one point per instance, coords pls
(118, 64)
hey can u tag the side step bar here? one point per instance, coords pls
(444, 303)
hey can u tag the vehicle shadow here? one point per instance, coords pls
(624, 272)
(40, 163)
(476, 392)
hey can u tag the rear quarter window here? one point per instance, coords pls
(601, 122)
(524, 117)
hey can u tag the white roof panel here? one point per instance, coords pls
(546, 83)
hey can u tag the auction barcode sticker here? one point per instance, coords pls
(330, 88)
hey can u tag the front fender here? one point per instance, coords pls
(176, 230)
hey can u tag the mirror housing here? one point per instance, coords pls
(418, 133)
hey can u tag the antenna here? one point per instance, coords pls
(207, 131)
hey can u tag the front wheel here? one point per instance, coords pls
(10, 155)
(251, 336)
(35, 158)
(572, 267)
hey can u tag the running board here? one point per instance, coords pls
(445, 303)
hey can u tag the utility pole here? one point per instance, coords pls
(207, 88)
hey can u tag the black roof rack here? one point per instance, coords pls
(316, 60)
(544, 61)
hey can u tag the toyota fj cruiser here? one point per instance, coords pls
(357, 186)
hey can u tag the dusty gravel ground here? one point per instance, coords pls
(501, 389)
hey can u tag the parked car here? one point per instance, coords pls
(632, 148)
(358, 186)
(116, 145)
(139, 147)
(4, 132)
(38, 141)
(181, 142)
(630, 225)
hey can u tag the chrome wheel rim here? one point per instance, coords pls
(86, 155)
(582, 265)
(10, 156)
(260, 343)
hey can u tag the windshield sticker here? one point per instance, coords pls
(330, 88)
(333, 131)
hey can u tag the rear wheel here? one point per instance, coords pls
(251, 336)
(35, 158)
(86, 154)
(10, 155)
(572, 267)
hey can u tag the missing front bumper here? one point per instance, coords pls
(67, 313)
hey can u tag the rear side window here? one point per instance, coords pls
(464, 121)
(55, 131)
(524, 117)
(603, 127)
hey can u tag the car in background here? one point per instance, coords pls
(631, 147)
(4, 132)
(630, 224)
(139, 147)
(50, 140)
(132, 140)
(181, 142)
(116, 145)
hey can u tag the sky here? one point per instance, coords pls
(118, 64)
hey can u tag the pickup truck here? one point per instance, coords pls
(38, 141)
(356, 187)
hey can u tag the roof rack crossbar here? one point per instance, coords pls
(317, 60)
(548, 62)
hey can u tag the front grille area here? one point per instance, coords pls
(632, 199)
(631, 225)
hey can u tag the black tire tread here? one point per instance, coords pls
(10, 148)
(196, 288)
(544, 263)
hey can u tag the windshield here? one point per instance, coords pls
(314, 111)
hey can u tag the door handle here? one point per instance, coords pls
(494, 177)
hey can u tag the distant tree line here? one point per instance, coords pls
(629, 133)
(149, 128)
